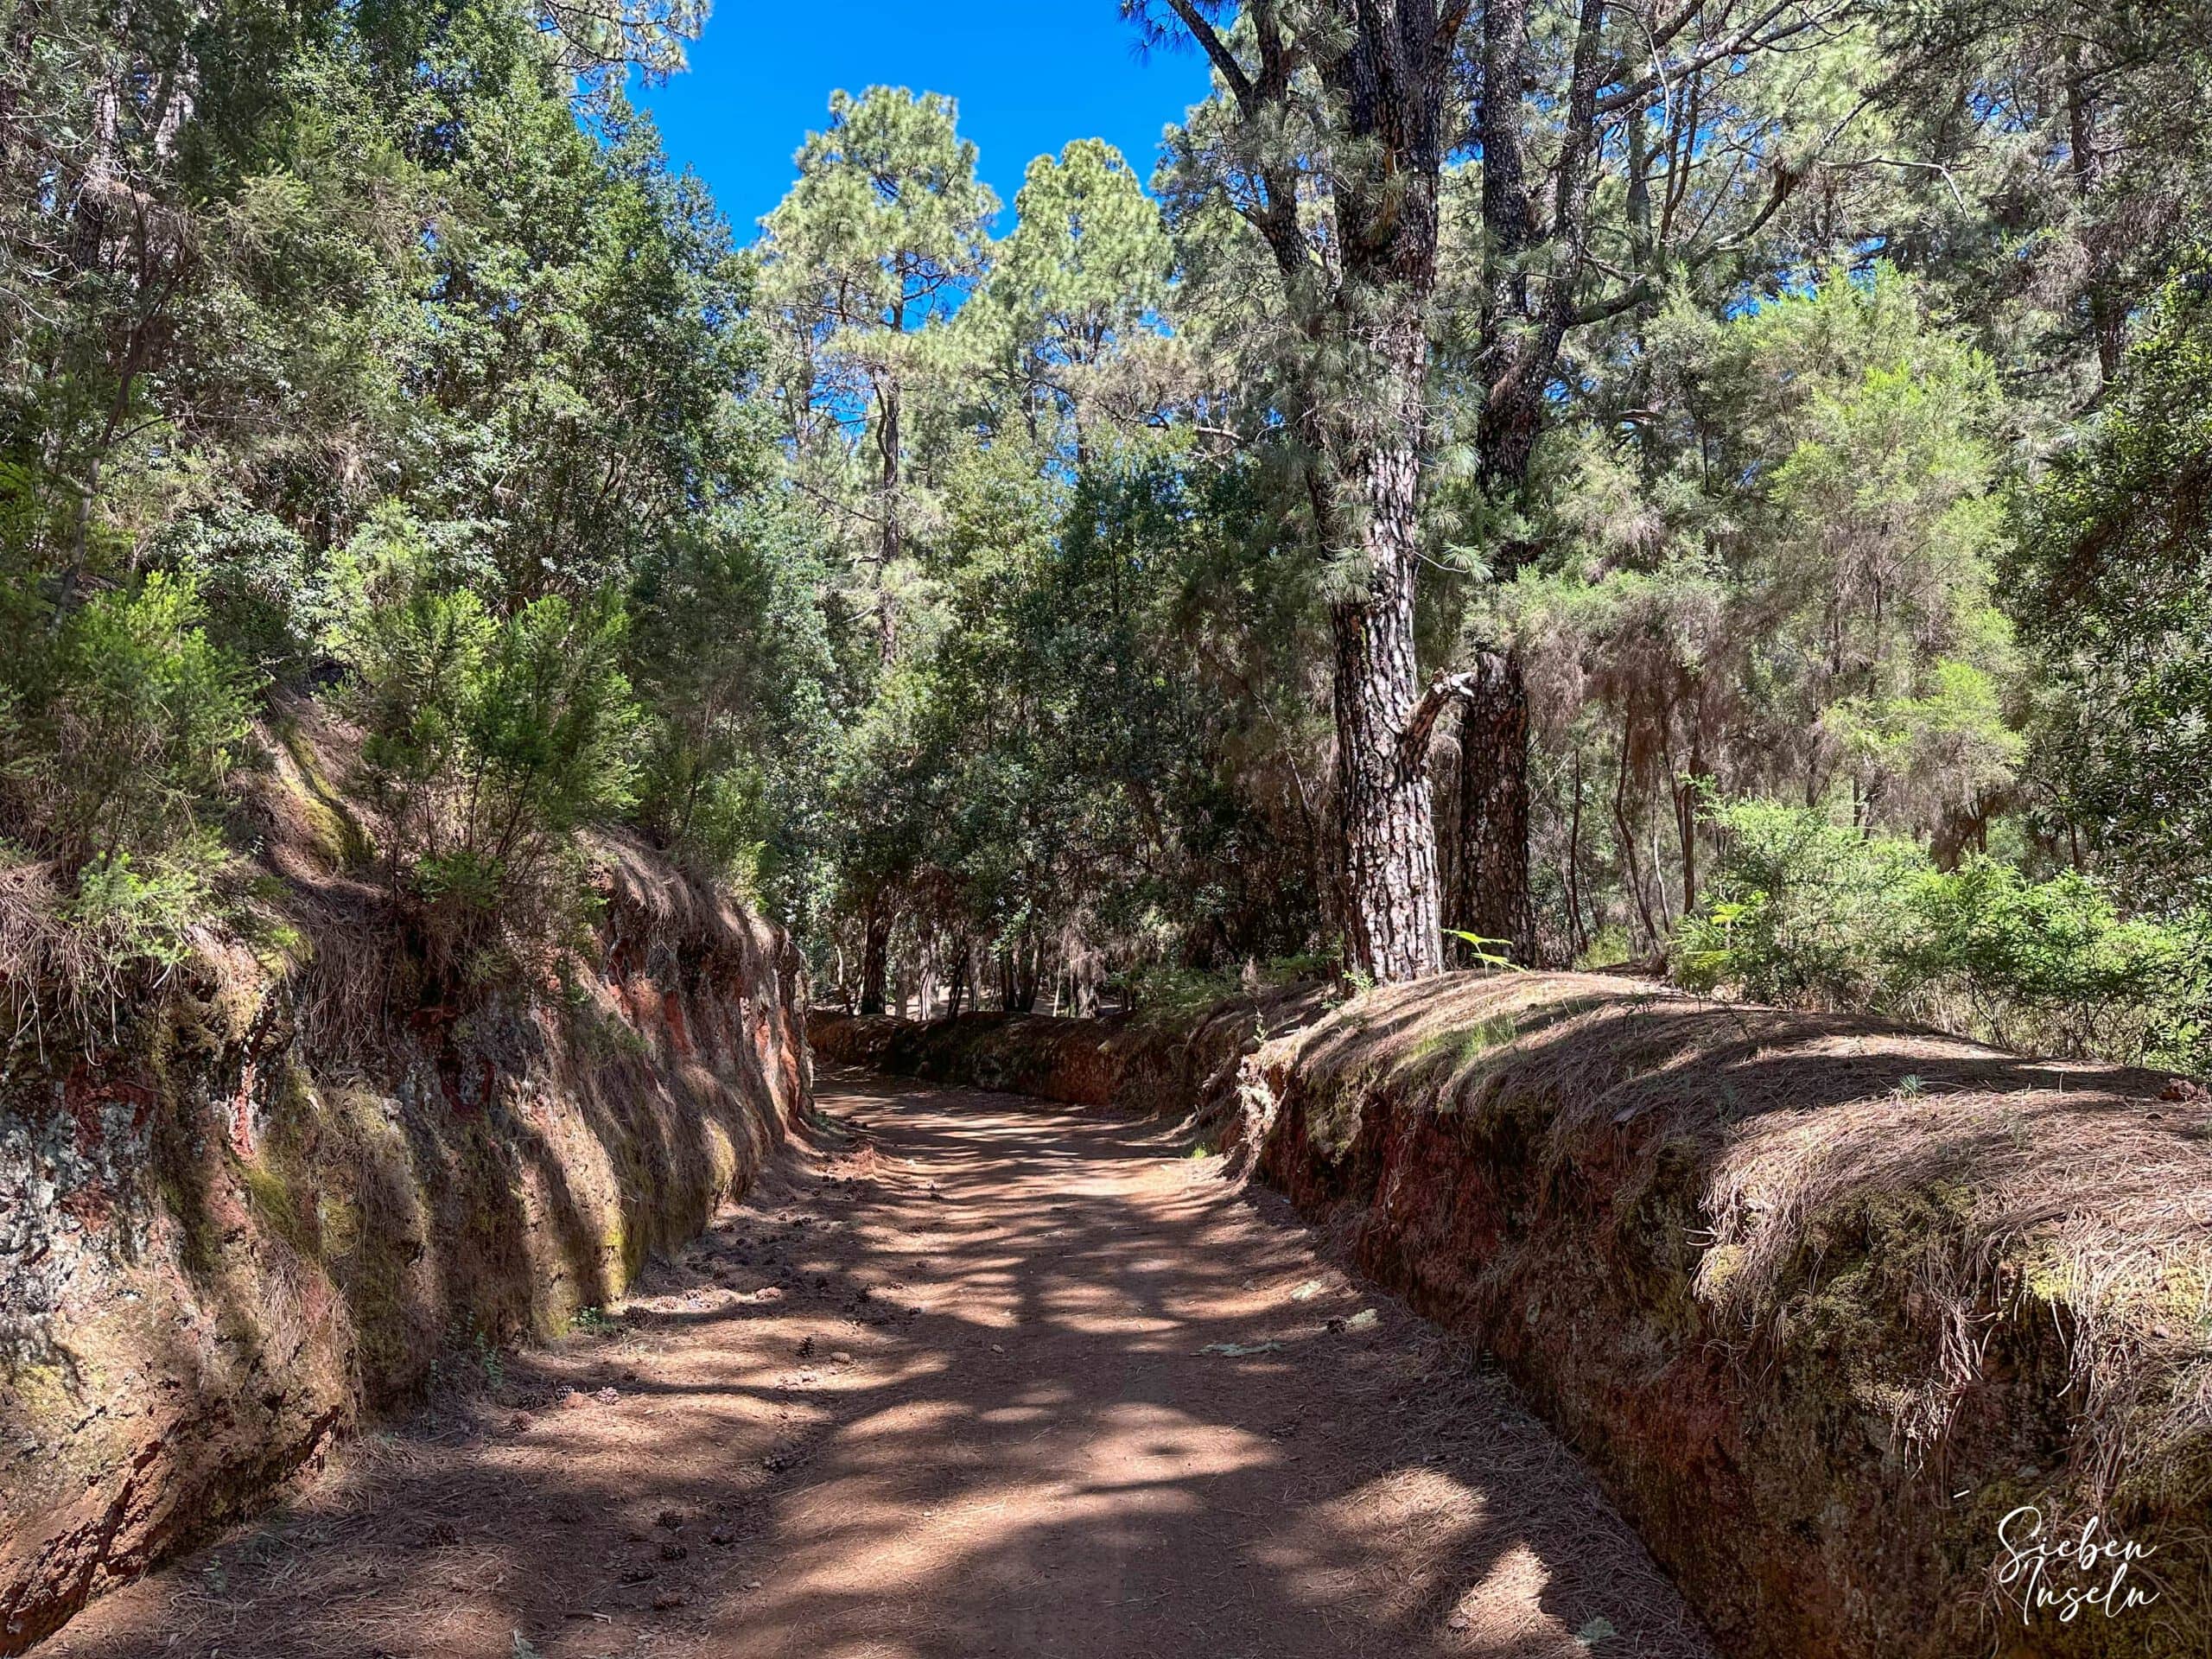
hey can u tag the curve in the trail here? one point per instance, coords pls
(988, 1377)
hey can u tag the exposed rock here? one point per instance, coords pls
(1823, 1301)
(266, 1214)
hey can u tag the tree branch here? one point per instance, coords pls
(1443, 691)
(1209, 42)
(1745, 42)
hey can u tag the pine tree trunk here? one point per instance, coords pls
(875, 958)
(888, 444)
(1491, 894)
(1028, 962)
(1389, 831)
(1390, 68)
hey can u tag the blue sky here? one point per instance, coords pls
(1030, 75)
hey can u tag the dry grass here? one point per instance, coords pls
(2085, 1187)
(2001, 1260)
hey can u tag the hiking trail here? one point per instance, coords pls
(978, 1375)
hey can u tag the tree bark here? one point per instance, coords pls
(1028, 963)
(875, 956)
(1361, 312)
(888, 444)
(1524, 324)
(958, 991)
(1388, 830)
(1387, 71)
(1491, 896)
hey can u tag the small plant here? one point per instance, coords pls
(490, 1360)
(119, 725)
(1480, 952)
(488, 741)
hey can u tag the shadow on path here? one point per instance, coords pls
(991, 1378)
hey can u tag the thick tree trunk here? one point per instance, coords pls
(1524, 323)
(1029, 961)
(925, 985)
(1389, 831)
(1389, 67)
(1491, 894)
(875, 956)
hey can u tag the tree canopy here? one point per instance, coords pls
(1620, 483)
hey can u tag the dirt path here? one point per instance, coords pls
(991, 1378)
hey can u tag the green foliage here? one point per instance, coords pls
(1063, 311)
(486, 740)
(131, 913)
(2114, 594)
(864, 264)
(254, 577)
(1809, 912)
(732, 655)
(956, 599)
(1802, 910)
(1087, 752)
(886, 223)
(410, 375)
(120, 725)
(1782, 580)
(1173, 995)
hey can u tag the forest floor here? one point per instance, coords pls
(976, 1376)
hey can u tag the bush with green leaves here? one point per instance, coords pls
(731, 655)
(2111, 587)
(486, 742)
(119, 723)
(419, 258)
(1809, 912)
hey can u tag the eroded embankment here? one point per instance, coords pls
(1824, 1302)
(254, 1220)
(1151, 1063)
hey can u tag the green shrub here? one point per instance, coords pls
(486, 742)
(1802, 910)
(255, 579)
(1806, 912)
(118, 727)
(133, 911)
(1168, 991)
(715, 821)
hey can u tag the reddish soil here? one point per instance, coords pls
(984, 1378)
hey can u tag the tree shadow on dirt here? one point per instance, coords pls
(1033, 1414)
